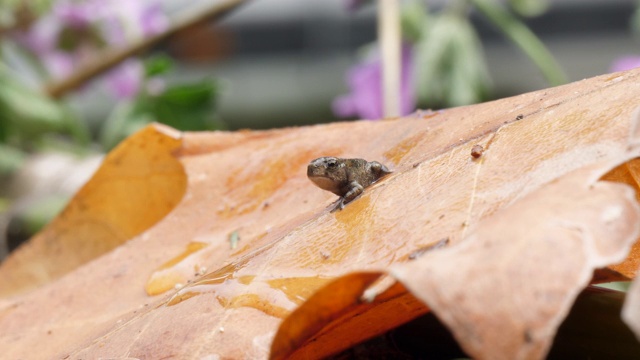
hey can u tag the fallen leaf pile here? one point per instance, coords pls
(216, 245)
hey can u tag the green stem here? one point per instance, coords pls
(524, 38)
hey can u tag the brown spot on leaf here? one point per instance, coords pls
(476, 151)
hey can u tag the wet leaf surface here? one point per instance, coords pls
(137, 185)
(181, 289)
(542, 251)
(525, 263)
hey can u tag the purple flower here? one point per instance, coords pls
(109, 22)
(131, 19)
(42, 37)
(77, 15)
(153, 19)
(365, 82)
(58, 63)
(625, 63)
(126, 79)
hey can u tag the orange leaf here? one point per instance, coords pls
(335, 317)
(627, 173)
(138, 184)
(533, 257)
(252, 238)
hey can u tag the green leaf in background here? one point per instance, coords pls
(526, 40)
(27, 111)
(27, 114)
(5, 127)
(123, 121)
(38, 214)
(635, 20)
(157, 65)
(449, 65)
(470, 79)
(529, 8)
(187, 107)
(617, 286)
(413, 18)
(11, 159)
(37, 5)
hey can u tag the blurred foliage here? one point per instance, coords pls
(529, 7)
(37, 216)
(635, 20)
(185, 106)
(617, 286)
(10, 160)
(13, 12)
(413, 18)
(48, 40)
(450, 67)
(516, 31)
(26, 118)
(27, 114)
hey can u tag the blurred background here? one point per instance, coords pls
(70, 91)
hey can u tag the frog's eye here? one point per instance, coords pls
(332, 163)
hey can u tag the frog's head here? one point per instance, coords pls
(327, 173)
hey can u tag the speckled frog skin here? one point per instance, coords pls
(346, 178)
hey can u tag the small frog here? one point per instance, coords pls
(346, 178)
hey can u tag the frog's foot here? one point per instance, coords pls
(339, 205)
(343, 201)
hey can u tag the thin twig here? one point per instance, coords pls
(196, 14)
(389, 36)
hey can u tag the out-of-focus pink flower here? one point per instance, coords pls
(42, 40)
(365, 82)
(126, 79)
(42, 37)
(58, 63)
(114, 22)
(77, 14)
(153, 19)
(131, 19)
(625, 63)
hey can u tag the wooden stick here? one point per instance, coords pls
(389, 36)
(196, 14)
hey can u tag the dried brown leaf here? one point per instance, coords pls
(336, 317)
(179, 289)
(504, 290)
(138, 183)
(627, 173)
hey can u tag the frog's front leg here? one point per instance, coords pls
(355, 190)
